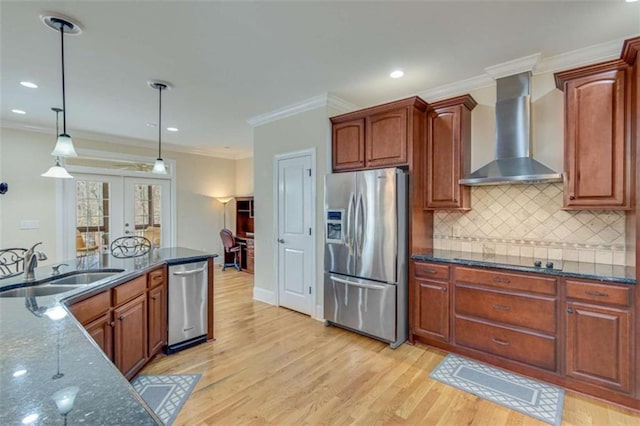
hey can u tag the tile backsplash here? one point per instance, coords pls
(528, 220)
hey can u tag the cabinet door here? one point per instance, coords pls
(157, 319)
(250, 257)
(101, 330)
(386, 139)
(348, 145)
(596, 144)
(431, 310)
(130, 352)
(598, 345)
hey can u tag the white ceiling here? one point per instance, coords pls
(230, 61)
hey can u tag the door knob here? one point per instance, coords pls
(281, 241)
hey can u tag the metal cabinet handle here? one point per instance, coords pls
(500, 342)
(501, 280)
(121, 318)
(111, 324)
(596, 293)
(501, 307)
(570, 310)
(572, 197)
(430, 271)
(444, 289)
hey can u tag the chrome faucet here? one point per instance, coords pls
(31, 258)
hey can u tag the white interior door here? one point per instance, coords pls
(101, 208)
(295, 208)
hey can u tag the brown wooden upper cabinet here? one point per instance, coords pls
(597, 140)
(448, 153)
(376, 137)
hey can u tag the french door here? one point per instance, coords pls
(100, 208)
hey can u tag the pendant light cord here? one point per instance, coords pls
(159, 122)
(64, 104)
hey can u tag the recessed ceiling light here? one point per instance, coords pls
(172, 129)
(29, 84)
(30, 419)
(18, 111)
(631, 1)
(152, 125)
(396, 74)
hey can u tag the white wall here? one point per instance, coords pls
(310, 129)
(244, 176)
(25, 155)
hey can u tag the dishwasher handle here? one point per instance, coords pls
(191, 272)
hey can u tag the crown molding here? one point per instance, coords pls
(514, 66)
(129, 141)
(319, 101)
(454, 89)
(535, 63)
(584, 56)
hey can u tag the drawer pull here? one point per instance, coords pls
(430, 271)
(501, 307)
(596, 293)
(500, 342)
(501, 280)
(569, 310)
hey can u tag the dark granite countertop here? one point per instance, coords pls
(587, 270)
(44, 349)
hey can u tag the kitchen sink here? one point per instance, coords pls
(35, 291)
(83, 278)
(62, 284)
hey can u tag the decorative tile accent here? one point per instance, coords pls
(529, 219)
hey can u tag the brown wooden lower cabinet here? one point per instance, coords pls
(576, 333)
(129, 321)
(157, 319)
(101, 330)
(130, 336)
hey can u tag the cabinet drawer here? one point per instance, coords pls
(156, 278)
(431, 271)
(128, 291)
(537, 313)
(600, 293)
(91, 308)
(530, 348)
(507, 280)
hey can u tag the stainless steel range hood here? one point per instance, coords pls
(513, 163)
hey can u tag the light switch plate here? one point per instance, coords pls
(29, 224)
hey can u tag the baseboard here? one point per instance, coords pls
(264, 295)
(319, 313)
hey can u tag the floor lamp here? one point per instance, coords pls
(224, 201)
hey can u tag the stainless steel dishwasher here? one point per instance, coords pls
(188, 302)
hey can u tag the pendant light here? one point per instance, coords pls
(57, 170)
(159, 167)
(64, 144)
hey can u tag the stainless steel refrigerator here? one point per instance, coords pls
(365, 255)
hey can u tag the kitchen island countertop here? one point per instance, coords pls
(42, 354)
(585, 270)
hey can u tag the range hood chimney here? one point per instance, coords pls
(513, 163)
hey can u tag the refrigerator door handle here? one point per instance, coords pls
(363, 285)
(348, 239)
(360, 223)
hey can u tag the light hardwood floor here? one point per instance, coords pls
(272, 365)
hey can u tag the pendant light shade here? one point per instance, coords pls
(64, 144)
(64, 147)
(159, 167)
(57, 170)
